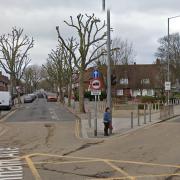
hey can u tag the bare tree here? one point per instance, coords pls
(49, 74)
(14, 58)
(174, 54)
(55, 69)
(36, 75)
(89, 38)
(27, 77)
(122, 52)
(69, 67)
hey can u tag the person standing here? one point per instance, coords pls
(106, 120)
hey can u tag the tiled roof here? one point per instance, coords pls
(134, 73)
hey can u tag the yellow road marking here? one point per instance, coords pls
(120, 170)
(8, 115)
(66, 162)
(107, 161)
(77, 129)
(111, 160)
(33, 168)
(136, 177)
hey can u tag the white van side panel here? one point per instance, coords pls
(5, 99)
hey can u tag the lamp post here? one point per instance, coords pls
(168, 75)
(109, 96)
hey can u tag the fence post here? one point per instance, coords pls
(131, 119)
(150, 106)
(138, 117)
(144, 113)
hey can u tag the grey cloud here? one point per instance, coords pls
(140, 21)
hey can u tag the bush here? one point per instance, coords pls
(140, 106)
(148, 99)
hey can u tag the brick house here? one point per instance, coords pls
(137, 79)
(131, 80)
(4, 81)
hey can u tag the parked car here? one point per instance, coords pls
(28, 99)
(40, 95)
(52, 98)
(33, 96)
(5, 100)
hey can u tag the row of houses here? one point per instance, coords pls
(132, 80)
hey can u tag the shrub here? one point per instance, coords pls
(148, 99)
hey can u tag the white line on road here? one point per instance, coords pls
(10, 164)
(53, 114)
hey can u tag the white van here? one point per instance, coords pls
(5, 100)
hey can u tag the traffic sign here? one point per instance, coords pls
(167, 86)
(96, 84)
(96, 74)
(95, 92)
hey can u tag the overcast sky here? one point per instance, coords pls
(140, 21)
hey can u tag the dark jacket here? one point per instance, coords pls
(107, 117)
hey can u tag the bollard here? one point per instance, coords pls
(89, 118)
(150, 113)
(131, 119)
(144, 113)
(138, 117)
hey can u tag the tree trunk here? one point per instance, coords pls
(18, 92)
(11, 85)
(70, 92)
(19, 97)
(61, 96)
(81, 92)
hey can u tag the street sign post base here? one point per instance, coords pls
(95, 132)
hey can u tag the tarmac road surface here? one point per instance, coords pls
(49, 148)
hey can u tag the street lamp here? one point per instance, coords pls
(168, 75)
(109, 96)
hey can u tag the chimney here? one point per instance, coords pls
(158, 61)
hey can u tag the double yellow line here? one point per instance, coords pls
(77, 128)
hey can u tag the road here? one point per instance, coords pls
(46, 141)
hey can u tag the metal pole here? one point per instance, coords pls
(95, 119)
(109, 98)
(150, 113)
(103, 5)
(138, 117)
(144, 113)
(168, 59)
(131, 119)
(89, 118)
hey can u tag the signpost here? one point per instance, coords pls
(167, 86)
(96, 86)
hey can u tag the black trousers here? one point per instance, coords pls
(106, 127)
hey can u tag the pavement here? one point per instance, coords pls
(121, 121)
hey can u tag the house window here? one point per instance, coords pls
(145, 81)
(124, 81)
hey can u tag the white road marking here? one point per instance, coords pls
(53, 114)
(10, 164)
